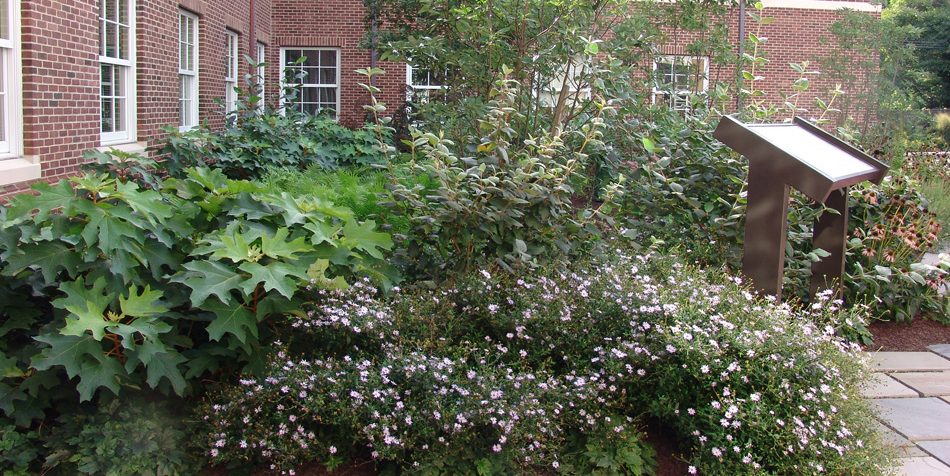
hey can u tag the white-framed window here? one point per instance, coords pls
(230, 71)
(11, 126)
(422, 85)
(188, 69)
(315, 74)
(679, 80)
(117, 71)
(577, 87)
(261, 75)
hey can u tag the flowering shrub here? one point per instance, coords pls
(509, 374)
(890, 229)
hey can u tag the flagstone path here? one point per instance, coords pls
(911, 394)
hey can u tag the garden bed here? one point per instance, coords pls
(912, 336)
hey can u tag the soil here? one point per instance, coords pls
(669, 459)
(914, 336)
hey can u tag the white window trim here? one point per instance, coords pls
(680, 92)
(409, 82)
(338, 85)
(12, 148)
(411, 87)
(129, 135)
(261, 74)
(230, 77)
(195, 73)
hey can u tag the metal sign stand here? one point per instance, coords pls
(803, 156)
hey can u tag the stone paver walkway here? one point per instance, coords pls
(911, 393)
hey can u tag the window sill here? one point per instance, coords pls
(128, 147)
(18, 170)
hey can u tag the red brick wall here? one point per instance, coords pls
(60, 42)
(158, 57)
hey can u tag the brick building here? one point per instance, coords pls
(86, 74)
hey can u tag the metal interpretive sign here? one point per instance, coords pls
(804, 156)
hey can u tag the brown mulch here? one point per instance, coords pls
(912, 336)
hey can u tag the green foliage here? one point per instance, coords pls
(249, 147)
(18, 450)
(683, 187)
(505, 203)
(258, 136)
(121, 437)
(929, 72)
(115, 286)
(890, 229)
(620, 452)
(364, 191)
(942, 125)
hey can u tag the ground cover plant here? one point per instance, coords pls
(508, 373)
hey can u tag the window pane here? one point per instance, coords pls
(105, 80)
(111, 10)
(182, 35)
(118, 82)
(310, 95)
(313, 58)
(328, 95)
(124, 42)
(292, 56)
(312, 76)
(310, 108)
(124, 12)
(5, 19)
(327, 75)
(106, 113)
(111, 47)
(118, 123)
(3, 95)
(328, 58)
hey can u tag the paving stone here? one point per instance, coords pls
(942, 349)
(892, 438)
(922, 466)
(939, 449)
(911, 452)
(918, 419)
(908, 362)
(883, 386)
(929, 384)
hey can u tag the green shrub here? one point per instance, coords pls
(683, 187)
(549, 369)
(890, 229)
(127, 287)
(362, 190)
(258, 136)
(247, 148)
(122, 437)
(493, 201)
